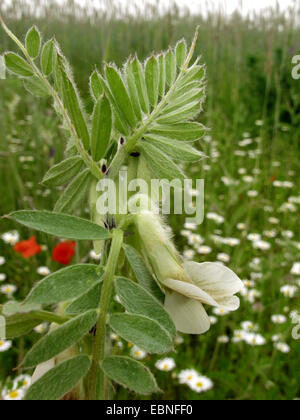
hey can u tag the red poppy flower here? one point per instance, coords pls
(28, 248)
(64, 252)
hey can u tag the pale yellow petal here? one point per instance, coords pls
(190, 290)
(188, 315)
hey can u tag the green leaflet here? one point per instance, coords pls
(162, 75)
(176, 150)
(152, 80)
(141, 331)
(190, 131)
(60, 225)
(171, 69)
(74, 194)
(88, 300)
(63, 172)
(143, 303)
(130, 374)
(181, 53)
(17, 65)
(96, 85)
(47, 57)
(120, 94)
(120, 120)
(142, 273)
(64, 284)
(140, 82)
(101, 128)
(12, 308)
(161, 166)
(60, 339)
(187, 112)
(72, 103)
(33, 42)
(132, 90)
(21, 324)
(59, 380)
(35, 86)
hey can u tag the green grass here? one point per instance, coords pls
(249, 79)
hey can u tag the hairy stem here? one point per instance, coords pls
(100, 339)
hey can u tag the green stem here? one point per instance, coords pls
(100, 339)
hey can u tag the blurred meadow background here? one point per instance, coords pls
(251, 174)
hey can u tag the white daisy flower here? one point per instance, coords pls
(2, 260)
(254, 237)
(289, 290)
(223, 257)
(262, 245)
(166, 364)
(231, 241)
(2, 276)
(213, 320)
(187, 376)
(43, 271)
(220, 311)
(201, 384)
(249, 326)
(11, 238)
(282, 347)
(94, 256)
(223, 339)
(204, 250)
(279, 319)
(8, 289)
(16, 395)
(189, 254)
(296, 269)
(255, 339)
(22, 381)
(137, 353)
(238, 336)
(5, 345)
(42, 328)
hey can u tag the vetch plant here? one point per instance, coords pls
(144, 117)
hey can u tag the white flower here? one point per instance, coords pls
(238, 336)
(220, 311)
(270, 233)
(241, 226)
(8, 289)
(223, 339)
(2, 260)
(249, 283)
(252, 193)
(282, 347)
(275, 338)
(11, 238)
(166, 364)
(2, 276)
(296, 269)
(189, 254)
(223, 257)
(43, 271)
(190, 226)
(288, 207)
(94, 256)
(5, 345)
(215, 217)
(262, 245)
(137, 353)
(22, 381)
(231, 241)
(274, 220)
(289, 290)
(187, 376)
(201, 384)
(288, 234)
(188, 285)
(42, 328)
(213, 320)
(255, 339)
(16, 395)
(279, 319)
(254, 237)
(204, 250)
(248, 326)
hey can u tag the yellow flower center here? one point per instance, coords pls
(165, 367)
(13, 394)
(199, 385)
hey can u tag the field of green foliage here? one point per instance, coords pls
(252, 191)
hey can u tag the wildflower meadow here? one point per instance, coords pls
(110, 288)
